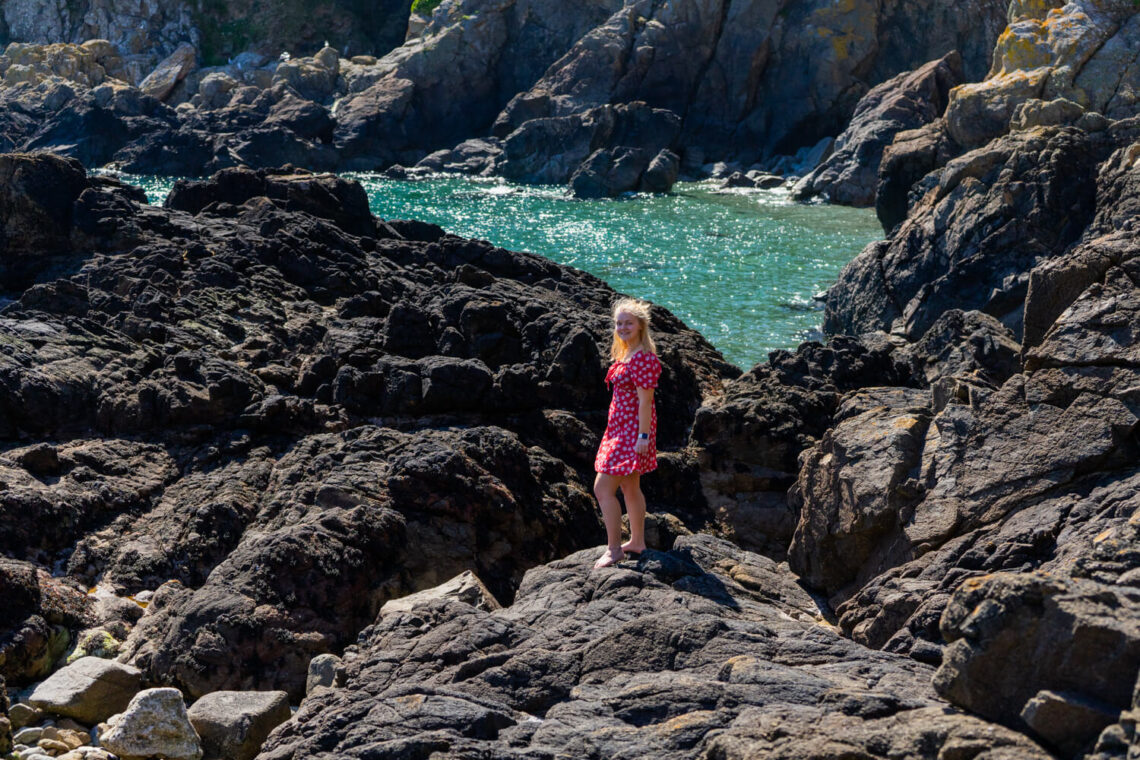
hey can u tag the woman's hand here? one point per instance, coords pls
(641, 447)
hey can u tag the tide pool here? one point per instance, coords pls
(741, 266)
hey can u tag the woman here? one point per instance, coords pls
(629, 446)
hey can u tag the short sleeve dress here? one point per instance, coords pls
(615, 454)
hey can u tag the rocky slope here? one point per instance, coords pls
(279, 412)
(501, 86)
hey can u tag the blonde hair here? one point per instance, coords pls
(640, 311)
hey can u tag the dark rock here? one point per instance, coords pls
(446, 677)
(609, 173)
(475, 156)
(908, 101)
(249, 429)
(1019, 641)
(1009, 205)
(750, 439)
(912, 155)
(661, 173)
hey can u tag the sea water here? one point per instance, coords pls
(743, 267)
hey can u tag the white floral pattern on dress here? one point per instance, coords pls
(615, 454)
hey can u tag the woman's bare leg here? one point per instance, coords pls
(605, 489)
(635, 508)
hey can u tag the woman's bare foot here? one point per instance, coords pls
(629, 548)
(610, 557)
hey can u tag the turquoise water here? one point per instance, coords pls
(740, 266)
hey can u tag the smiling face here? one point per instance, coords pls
(627, 328)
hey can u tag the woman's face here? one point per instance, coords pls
(627, 327)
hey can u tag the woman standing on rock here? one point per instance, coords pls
(629, 446)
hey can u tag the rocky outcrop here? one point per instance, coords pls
(1083, 51)
(277, 412)
(445, 677)
(983, 222)
(909, 101)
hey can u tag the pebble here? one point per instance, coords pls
(31, 752)
(54, 746)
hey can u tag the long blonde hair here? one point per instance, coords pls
(640, 311)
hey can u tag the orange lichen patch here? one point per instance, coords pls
(136, 601)
(1103, 536)
(687, 721)
(1019, 9)
(1024, 46)
(905, 423)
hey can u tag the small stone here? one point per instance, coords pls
(54, 746)
(154, 723)
(23, 715)
(28, 736)
(322, 672)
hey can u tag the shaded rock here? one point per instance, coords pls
(160, 82)
(749, 440)
(850, 174)
(90, 690)
(551, 150)
(1066, 721)
(465, 587)
(154, 723)
(661, 173)
(751, 653)
(475, 156)
(1015, 636)
(909, 158)
(40, 613)
(609, 173)
(234, 724)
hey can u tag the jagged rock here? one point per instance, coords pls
(1084, 51)
(850, 174)
(749, 440)
(231, 407)
(751, 652)
(90, 690)
(160, 82)
(465, 587)
(1040, 113)
(551, 151)
(1017, 638)
(475, 156)
(154, 723)
(234, 724)
(40, 612)
(913, 155)
(1009, 205)
(325, 670)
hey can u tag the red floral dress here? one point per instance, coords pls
(616, 455)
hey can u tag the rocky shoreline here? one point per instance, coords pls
(262, 449)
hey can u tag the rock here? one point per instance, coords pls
(1031, 639)
(1040, 113)
(609, 173)
(22, 715)
(323, 384)
(41, 610)
(1082, 52)
(912, 156)
(849, 176)
(160, 82)
(710, 685)
(90, 690)
(749, 440)
(982, 260)
(661, 173)
(234, 724)
(465, 587)
(325, 670)
(550, 151)
(154, 723)
(475, 156)
(309, 77)
(214, 90)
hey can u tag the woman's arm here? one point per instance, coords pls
(644, 418)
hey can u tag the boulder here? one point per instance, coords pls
(661, 173)
(90, 690)
(161, 82)
(1060, 654)
(465, 587)
(154, 723)
(41, 612)
(609, 173)
(234, 724)
(325, 671)
(849, 176)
